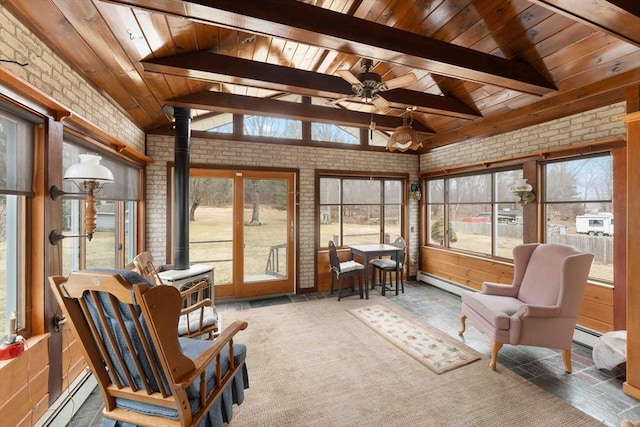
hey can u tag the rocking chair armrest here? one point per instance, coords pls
(538, 311)
(210, 354)
(197, 288)
(197, 306)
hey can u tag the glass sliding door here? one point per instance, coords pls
(242, 223)
(267, 230)
(211, 213)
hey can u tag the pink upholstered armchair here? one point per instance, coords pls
(540, 307)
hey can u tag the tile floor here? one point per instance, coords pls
(596, 392)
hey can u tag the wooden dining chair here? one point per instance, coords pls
(385, 267)
(147, 375)
(347, 269)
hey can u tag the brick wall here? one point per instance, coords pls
(26, 395)
(306, 159)
(47, 72)
(577, 129)
(589, 126)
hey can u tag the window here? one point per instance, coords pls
(16, 171)
(326, 132)
(213, 122)
(360, 210)
(211, 221)
(475, 213)
(272, 127)
(578, 196)
(113, 243)
(377, 138)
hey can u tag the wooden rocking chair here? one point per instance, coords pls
(199, 316)
(147, 375)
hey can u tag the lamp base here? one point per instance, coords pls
(527, 197)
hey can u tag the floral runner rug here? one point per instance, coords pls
(428, 345)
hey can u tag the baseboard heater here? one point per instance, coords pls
(581, 335)
(66, 406)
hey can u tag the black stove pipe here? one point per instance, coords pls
(182, 118)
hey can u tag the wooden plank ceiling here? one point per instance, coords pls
(482, 67)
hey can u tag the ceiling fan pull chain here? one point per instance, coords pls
(372, 127)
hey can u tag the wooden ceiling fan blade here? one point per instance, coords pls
(381, 103)
(402, 81)
(339, 100)
(348, 76)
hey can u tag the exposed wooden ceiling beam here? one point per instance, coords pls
(594, 95)
(227, 69)
(229, 103)
(294, 20)
(620, 18)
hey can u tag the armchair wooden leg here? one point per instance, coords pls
(463, 324)
(566, 356)
(495, 348)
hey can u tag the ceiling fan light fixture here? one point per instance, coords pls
(368, 85)
(371, 80)
(366, 94)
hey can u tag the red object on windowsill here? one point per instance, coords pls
(9, 351)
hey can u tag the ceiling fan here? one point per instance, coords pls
(368, 84)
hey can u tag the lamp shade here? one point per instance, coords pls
(89, 169)
(523, 185)
(403, 139)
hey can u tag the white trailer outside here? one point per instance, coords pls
(595, 225)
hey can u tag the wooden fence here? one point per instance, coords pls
(600, 247)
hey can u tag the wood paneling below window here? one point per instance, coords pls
(597, 307)
(25, 384)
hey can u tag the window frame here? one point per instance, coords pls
(403, 179)
(18, 274)
(22, 148)
(445, 205)
(206, 125)
(546, 203)
(125, 244)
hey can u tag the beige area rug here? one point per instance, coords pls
(428, 345)
(315, 364)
